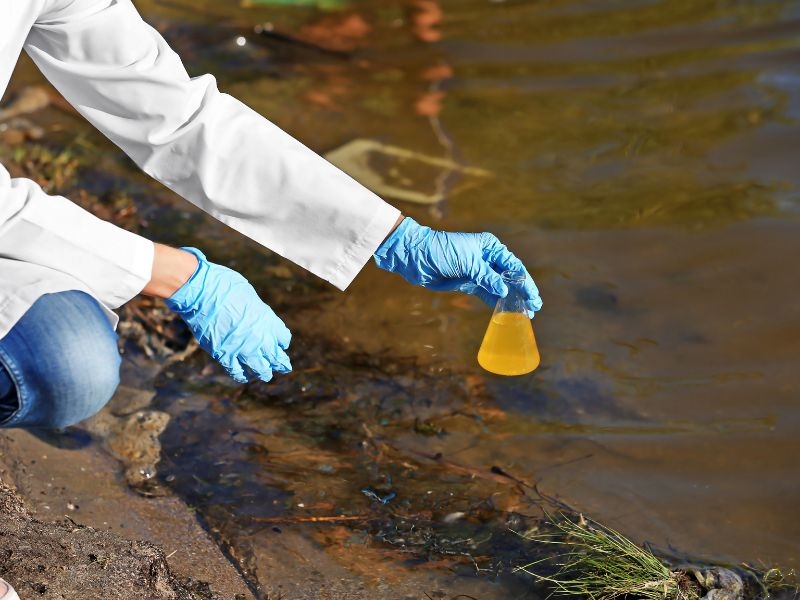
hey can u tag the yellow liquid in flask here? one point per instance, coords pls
(509, 346)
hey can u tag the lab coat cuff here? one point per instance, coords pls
(360, 251)
(139, 270)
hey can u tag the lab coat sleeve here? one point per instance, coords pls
(53, 232)
(121, 75)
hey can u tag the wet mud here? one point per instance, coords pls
(68, 560)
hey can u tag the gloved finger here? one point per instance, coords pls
(234, 371)
(490, 281)
(502, 259)
(469, 287)
(452, 285)
(531, 299)
(275, 327)
(257, 364)
(282, 334)
(279, 360)
(531, 305)
(531, 293)
(489, 299)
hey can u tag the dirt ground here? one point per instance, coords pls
(64, 559)
(70, 529)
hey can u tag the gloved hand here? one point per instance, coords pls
(231, 323)
(464, 262)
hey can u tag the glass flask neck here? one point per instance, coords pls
(513, 302)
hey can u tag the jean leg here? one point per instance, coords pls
(61, 360)
(8, 395)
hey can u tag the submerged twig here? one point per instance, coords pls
(323, 519)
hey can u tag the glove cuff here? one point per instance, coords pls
(185, 297)
(391, 253)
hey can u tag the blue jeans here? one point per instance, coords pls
(59, 364)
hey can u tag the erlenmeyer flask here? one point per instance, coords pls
(509, 346)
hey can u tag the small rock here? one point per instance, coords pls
(721, 584)
(133, 440)
(721, 595)
(453, 517)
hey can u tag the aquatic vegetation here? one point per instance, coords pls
(580, 558)
(776, 583)
(594, 561)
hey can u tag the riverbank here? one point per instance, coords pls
(71, 527)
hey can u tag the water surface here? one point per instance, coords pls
(644, 167)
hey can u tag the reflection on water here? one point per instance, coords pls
(645, 167)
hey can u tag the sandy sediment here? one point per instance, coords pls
(70, 528)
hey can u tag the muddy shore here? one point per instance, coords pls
(70, 528)
(68, 560)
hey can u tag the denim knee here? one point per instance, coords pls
(81, 384)
(63, 360)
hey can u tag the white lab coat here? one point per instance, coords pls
(119, 73)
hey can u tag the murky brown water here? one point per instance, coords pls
(644, 159)
(645, 163)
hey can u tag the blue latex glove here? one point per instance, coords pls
(231, 323)
(464, 262)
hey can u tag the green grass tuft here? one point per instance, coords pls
(598, 563)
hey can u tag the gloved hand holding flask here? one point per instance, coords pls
(472, 263)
